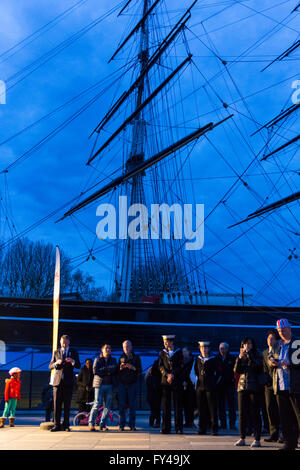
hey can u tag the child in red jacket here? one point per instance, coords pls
(12, 394)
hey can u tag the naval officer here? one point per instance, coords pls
(171, 366)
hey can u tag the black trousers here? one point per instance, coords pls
(170, 392)
(272, 412)
(289, 414)
(154, 400)
(226, 394)
(207, 409)
(249, 403)
(48, 412)
(189, 404)
(62, 395)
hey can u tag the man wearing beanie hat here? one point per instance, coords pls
(171, 367)
(286, 383)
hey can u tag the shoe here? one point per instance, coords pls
(55, 429)
(285, 447)
(165, 431)
(280, 440)
(132, 428)
(103, 427)
(121, 428)
(92, 428)
(214, 433)
(255, 444)
(271, 439)
(11, 422)
(201, 433)
(240, 442)
(179, 431)
(2, 422)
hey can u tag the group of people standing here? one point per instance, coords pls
(204, 385)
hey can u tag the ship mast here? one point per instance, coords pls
(133, 248)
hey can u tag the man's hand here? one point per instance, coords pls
(272, 362)
(122, 366)
(284, 363)
(69, 359)
(170, 378)
(130, 366)
(58, 362)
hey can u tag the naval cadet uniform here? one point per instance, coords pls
(171, 362)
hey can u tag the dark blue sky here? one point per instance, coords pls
(247, 35)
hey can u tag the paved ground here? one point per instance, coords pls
(27, 435)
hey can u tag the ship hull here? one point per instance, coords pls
(90, 324)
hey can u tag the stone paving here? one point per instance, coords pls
(27, 435)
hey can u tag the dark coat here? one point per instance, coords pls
(105, 372)
(127, 376)
(85, 379)
(153, 382)
(249, 369)
(186, 370)
(64, 372)
(173, 365)
(225, 370)
(207, 373)
(268, 370)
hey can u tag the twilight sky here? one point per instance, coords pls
(58, 63)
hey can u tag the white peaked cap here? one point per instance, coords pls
(168, 336)
(204, 343)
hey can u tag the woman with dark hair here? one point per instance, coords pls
(249, 367)
(85, 392)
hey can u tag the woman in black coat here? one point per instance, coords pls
(248, 366)
(85, 392)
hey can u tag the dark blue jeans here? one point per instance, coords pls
(127, 396)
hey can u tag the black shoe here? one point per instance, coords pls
(285, 447)
(103, 428)
(121, 428)
(132, 428)
(214, 433)
(201, 433)
(179, 431)
(56, 428)
(67, 429)
(165, 431)
(271, 439)
(280, 440)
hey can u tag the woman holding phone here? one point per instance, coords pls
(249, 367)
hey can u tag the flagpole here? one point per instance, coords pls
(56, 293)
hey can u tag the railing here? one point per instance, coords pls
(33, 381)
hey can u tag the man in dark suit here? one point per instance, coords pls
(64, 360)
(270, 397)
